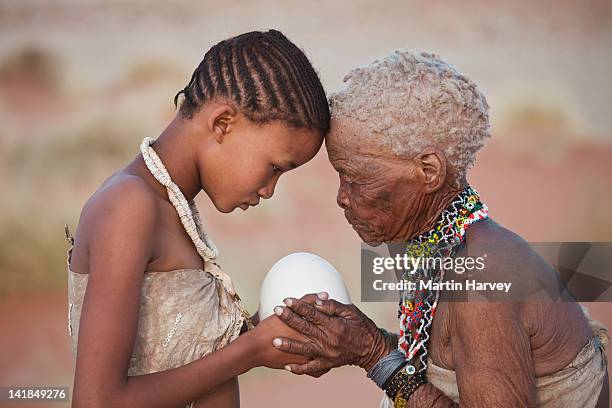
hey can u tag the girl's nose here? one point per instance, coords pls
(267, 191)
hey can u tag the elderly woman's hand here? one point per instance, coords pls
(337, 335)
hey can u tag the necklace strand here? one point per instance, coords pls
(418, 307)
(189, 216)
(204, 245)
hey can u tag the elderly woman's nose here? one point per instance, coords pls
(342, 198)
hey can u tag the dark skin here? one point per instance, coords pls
(496, 349)
(129, 226)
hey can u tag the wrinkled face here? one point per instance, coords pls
(248, 162)
(379, 191)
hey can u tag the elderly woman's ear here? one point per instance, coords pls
(431, 167)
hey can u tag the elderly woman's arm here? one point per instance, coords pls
(490, 348)
(492, 359)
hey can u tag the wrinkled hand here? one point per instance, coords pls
(335, 334)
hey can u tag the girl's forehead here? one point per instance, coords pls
(293, 146)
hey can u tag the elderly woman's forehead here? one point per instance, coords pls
(349, 133)
(352, 148)
(342, 125)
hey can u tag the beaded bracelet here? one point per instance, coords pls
(402, 380)
(397, 382)
(414, 382)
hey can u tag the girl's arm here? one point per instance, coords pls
(123, 220)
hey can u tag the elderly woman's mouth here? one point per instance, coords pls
(356, 224)
(349, 217)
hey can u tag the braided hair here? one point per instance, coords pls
(265, 75)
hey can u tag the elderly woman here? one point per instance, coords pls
(405, 131)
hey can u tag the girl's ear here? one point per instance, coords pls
(220, 121)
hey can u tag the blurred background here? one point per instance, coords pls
(82, 82)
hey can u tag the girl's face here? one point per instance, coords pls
(245, 162)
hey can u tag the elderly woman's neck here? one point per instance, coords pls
(429, 208)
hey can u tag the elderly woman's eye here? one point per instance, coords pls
(276, 168)
(350, 185)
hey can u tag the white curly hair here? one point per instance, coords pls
(413, 100)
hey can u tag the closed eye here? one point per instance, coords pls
(346, 179)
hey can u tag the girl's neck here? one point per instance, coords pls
(174, 150)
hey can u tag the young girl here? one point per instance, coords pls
(159, 319)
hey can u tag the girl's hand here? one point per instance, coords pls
(271, 328)
(255, 318)
(265, 353)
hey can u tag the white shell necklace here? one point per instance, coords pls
(189, 215)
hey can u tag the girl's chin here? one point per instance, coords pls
(225, 209)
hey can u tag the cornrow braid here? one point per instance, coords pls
(265, 75)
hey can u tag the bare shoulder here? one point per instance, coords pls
(125, 206)
(125, 194)
(510, 258)
(488, 232)
(505, 250)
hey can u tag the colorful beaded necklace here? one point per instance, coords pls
(417, 307)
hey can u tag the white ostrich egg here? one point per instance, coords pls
(297, 275)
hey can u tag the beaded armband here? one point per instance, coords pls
(404, 394)
(402, 386)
